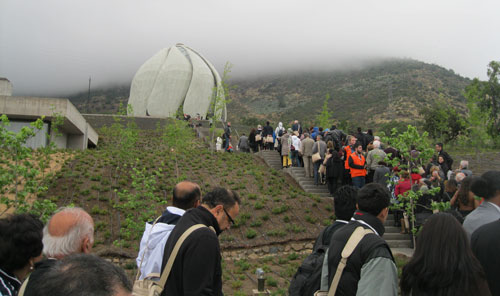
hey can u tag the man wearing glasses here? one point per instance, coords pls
(197, 268)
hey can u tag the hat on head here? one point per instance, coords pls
(290, 130)
(296, 133)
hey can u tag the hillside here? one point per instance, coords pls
(378, 93)
(385, 91)
(129, 179)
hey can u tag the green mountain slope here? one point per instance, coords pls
(369, 96)
(384, 91)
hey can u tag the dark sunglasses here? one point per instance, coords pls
(231, 221)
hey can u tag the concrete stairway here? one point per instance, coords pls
(393, 237)
(307, 184)
(272, 158)
(399, 243)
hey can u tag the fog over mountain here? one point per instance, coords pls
(52, 47)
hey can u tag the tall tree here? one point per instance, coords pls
(442, 122)
(486, 96)
(324, 118)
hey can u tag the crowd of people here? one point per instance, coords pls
(456, 251)
(332, 157)
(56, 259)
(449, 259)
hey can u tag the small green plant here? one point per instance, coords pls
(251, 233)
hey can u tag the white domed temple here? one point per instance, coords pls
(174, 77)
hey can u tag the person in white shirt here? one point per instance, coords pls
(186, 195)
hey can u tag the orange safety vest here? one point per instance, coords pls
(357, 161)
(348, 152)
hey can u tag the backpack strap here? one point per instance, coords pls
(324, 273)
(352, 243)
(171, 259)
(23, 287)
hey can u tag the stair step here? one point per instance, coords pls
(399, 243)
(396, 236)
(314, 187)
(317, 190)
(392, 229)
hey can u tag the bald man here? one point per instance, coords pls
(69, 231)
(186, 195)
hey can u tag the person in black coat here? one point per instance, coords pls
(334, 170)
(197, 268)
(485, 243)
(267, 131)
(445, 155)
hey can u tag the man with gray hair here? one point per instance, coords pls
(69, 231)
(464, 168)
(372, 159)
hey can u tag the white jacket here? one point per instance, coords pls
(153, 249)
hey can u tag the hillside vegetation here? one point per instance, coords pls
(129, 179)
(383, 91)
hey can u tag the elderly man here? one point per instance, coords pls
(372, 160)
(296, 127)
(69, 231)
(186, 195)
(197, 268)
(306, 147)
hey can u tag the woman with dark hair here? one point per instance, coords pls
(464, 197)
(443, 262)
(450, 188)
(20, 248)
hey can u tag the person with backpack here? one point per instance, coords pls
(370, 268)
(307, 279)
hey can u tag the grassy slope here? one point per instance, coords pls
(273, 211)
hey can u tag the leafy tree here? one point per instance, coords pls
(442, 122)
(221, 99)
(404, 142)
(19, 178)
(486, 96)
(324, 118)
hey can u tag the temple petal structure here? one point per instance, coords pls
(177, 77)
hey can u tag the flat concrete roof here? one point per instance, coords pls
(31, 108)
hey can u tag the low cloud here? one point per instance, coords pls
(52, 47)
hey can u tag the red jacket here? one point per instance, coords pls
(402, 187)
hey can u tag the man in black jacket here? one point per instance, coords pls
(370, 269)
(197, 267)
(267, 131)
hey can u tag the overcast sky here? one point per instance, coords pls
(53, 46)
